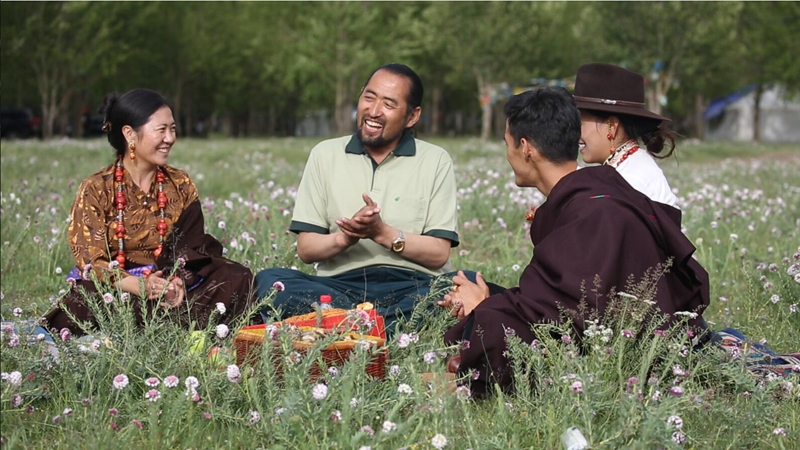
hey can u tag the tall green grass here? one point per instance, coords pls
(740, 205)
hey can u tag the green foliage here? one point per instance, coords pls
(267, 65)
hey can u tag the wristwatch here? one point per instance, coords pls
(400, 242)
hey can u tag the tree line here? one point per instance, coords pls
(259, 68)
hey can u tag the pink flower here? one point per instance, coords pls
(278, 286)
(108, 298)
(113, 411)
(429, 357)
(152, 382)
(627, 333)
(87, 401)
(779, 431)
(207, 415)
(676, 421)
(676, 391)
(233, 373)
(16, 401)
(255, 417)
(114, 426)
(57, 420)
(14, 378)
(336, 416)
(65, 334)
(120, 381)
(404, 340)
(191, 382)
(566, 339)
(67, 412)
(171, 381)
(577, 387)
(320, 391)
(152, 395)
(463, 393)
(678, 437)
(17, 312)
(137, 423)
(366, 429)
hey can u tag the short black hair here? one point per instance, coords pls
(415, 91)
(547, 117)
(132, 108)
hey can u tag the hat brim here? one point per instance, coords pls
(627, 110)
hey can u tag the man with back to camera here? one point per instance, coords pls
(376, 210)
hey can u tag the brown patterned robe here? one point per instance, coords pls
(209, 277)
(93, 218)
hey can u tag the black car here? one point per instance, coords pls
(18, 123)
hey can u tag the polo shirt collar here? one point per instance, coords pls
(406, 146)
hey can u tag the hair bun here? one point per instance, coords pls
(108, 102)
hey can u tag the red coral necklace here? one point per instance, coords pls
(622, 153)
(120, 202)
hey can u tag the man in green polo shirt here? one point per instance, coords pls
(376, 211)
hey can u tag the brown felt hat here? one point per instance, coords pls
(606, 87)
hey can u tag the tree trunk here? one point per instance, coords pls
(436, 109)
(654, 97)
(177, 108)
(699, 121)
(757, 114)
(485, 97)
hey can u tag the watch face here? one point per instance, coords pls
(398, 246)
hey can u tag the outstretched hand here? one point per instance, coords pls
(466, 295)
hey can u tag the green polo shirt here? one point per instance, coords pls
(414, 186)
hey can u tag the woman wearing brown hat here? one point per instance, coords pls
(617, 129)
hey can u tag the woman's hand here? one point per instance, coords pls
(175, 293)
(466, 295)
(155, 285)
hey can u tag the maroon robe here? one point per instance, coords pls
(593, 224)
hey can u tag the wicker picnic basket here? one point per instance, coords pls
(249, 343)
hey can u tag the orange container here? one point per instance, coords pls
(249, 341)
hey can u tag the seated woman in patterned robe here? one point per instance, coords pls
(137, 227)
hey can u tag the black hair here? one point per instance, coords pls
(414, 98)
(653, 133)
(132, 108)
(548, 118)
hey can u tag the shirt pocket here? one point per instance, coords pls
(407, 215)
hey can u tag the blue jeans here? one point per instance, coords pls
(393, 291)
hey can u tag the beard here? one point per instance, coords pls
(378, 141)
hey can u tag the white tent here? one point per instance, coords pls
(731, 118)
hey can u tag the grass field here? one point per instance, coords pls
(741, 209)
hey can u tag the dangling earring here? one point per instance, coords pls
(132, 148)
(610, 137)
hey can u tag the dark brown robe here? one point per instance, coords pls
(593, 224)
(209, 278)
